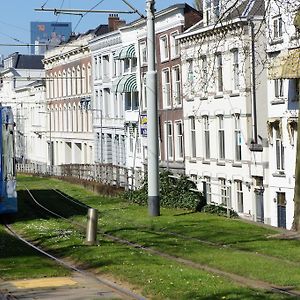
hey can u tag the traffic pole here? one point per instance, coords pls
(152, 130)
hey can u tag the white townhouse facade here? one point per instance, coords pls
(107, 104)
(69, 91)
(224, 106)
(283, 105)
(23, 88)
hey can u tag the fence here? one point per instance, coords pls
(106, 173)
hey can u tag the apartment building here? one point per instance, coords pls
(224, 106)
(283, 36)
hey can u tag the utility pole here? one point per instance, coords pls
(152, 132)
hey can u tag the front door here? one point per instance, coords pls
(281, 210)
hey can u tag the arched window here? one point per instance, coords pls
(89, 78)
(74, 83)
(83, 79)
(69, 83)
(78, 80)
(64, 84)
(59, 84)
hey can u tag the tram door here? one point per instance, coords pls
(281, 210)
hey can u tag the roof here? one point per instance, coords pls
(247, 9)
(29, 62)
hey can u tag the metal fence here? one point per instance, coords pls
(106, 173)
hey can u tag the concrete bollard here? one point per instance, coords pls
(91, 229)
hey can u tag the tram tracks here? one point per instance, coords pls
(252, 283)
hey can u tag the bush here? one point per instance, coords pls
(219, 210)
(174, 193)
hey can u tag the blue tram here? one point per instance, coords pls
(8, 194)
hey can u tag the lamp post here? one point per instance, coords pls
(152, 132)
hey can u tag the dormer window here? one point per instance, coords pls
(277, 27)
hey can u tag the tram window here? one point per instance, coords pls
(8, 152)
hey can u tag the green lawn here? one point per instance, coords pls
(235, 249)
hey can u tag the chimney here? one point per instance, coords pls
(114, 22)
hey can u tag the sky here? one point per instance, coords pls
(16, 16)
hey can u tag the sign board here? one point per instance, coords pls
(143, 124)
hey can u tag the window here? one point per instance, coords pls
(277, 27)
(204, 76)
(279, 150)
(179, 140)
(169, 140)
(106, 71)
(278, 88)
(223, 191)
(235, 68)
(207, 11)
(206, 137)
(190, 70)
(208, 189)
(131, 101)
(177, 85)
(295, 90)
(237, 138)
(174, 45)
(126, 65)
(143, 53)
(164, 48)
(221, 137)
(219, 75)
(166, 90)
(193, 136)
(239, 195)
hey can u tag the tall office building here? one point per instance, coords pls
(48, 34)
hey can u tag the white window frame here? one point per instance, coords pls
(237, 138)
(207, 180)
(193, 139)
(166, 87)
(206, 137)
(143, 53)
(175, 46)
(169, 141)
(219, 73)
(204, 75)
(223, 191)
(176, 85)
(279, 151)
(239, 195)
(235, 70)
(164, 48)
(277, 27)
(179, 141)
(278, 88)
(221, 138)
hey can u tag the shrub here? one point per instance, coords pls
(219, 210)
(174, 192)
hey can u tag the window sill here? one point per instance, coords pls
(278, 101)
(234, 94)
(189, 100)
(221, 163)
(237, 164)
(192, 160)
(204, 98)
(276, 41)
(164, 60)
(218, 96)
(206, 162)
(176, 56)
(279, 174)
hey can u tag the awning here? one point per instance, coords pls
(285, 66)
(127, 52)
(126, 84)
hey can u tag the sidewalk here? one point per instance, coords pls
(75, 287)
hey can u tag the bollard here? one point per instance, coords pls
(91, 229)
